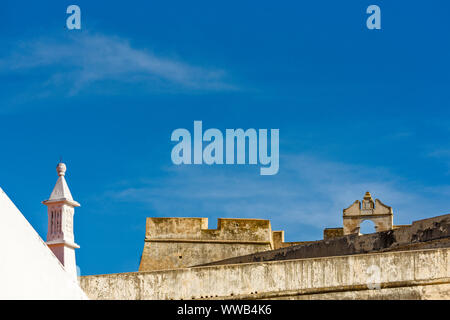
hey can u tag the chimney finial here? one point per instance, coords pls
(61, 169)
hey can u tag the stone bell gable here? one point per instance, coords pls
(379, 213)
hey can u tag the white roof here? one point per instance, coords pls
(28, 268)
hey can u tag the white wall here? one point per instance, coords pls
(28, 269)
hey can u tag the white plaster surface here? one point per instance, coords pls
(28, 268)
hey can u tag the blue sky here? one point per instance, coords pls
(357, 110)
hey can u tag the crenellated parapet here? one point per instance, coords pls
(196, 230)
(182, 242)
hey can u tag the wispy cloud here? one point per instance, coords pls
(307, 192)
(80, 60)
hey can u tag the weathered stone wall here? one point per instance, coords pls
(330, 233)
(182, 242)
(420, 274)
(414, 291)
(422, 234)
(176, 254)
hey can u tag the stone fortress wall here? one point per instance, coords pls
(422, 234)
(245, 259)
(182, 242)
(417, 274)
